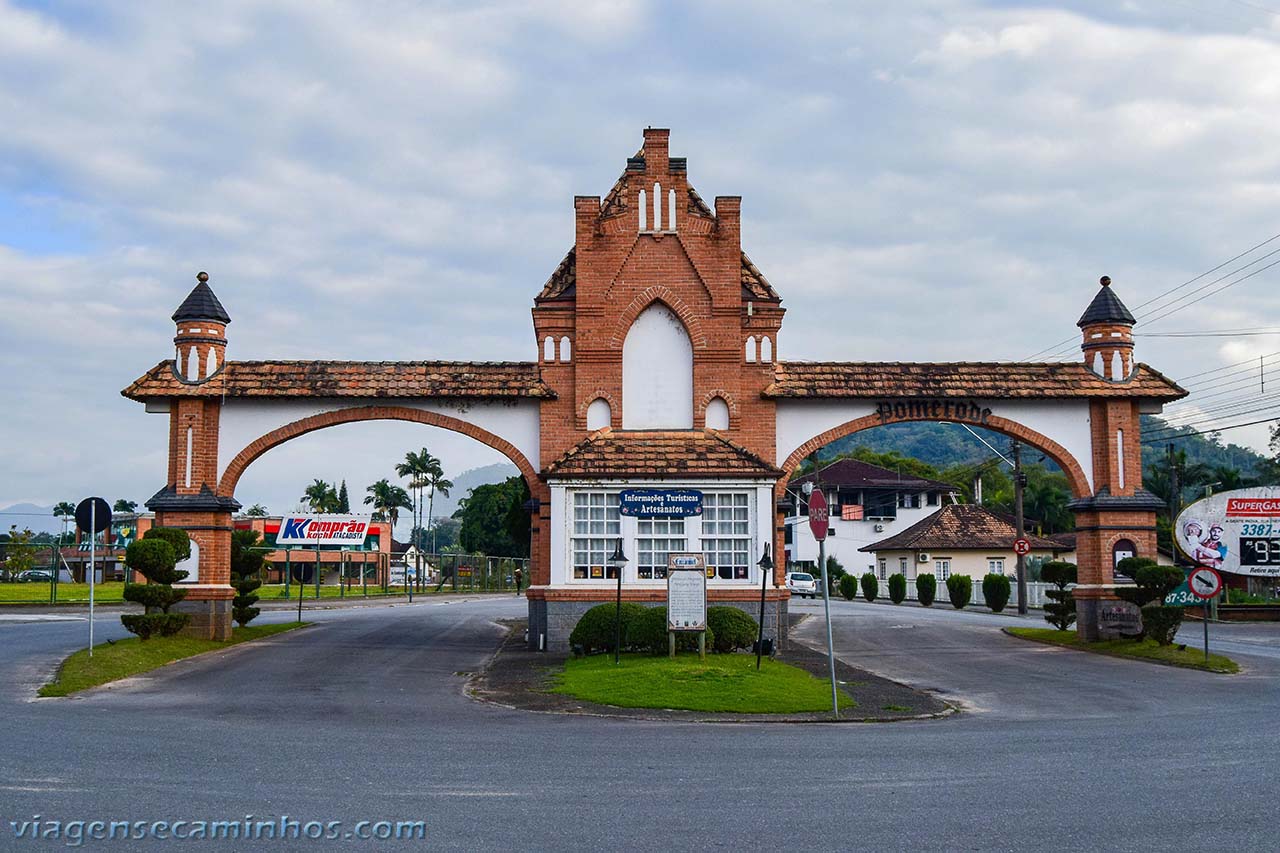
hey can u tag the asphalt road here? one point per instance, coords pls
(363, 717)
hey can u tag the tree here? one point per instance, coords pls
(256, 511)
(1060, 611)
(1160, 622)
(154, 557)
(417, 466)
(123, 505)
(344, 500)
(19, 550)
(438, 483)
(321, 497)
(487, 517)
(387, 499)
(246, 574)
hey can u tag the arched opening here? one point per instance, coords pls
(643, 204)
(751, 348)
(671, 210)
(657, 372)
(566, 349)
(599, 414)
(549, 349)
(717, 416)
(657, 207)
(766, 349)
(212, 364)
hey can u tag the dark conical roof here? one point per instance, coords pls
(201, 304)
(1106, 307)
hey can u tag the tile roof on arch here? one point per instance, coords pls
(960, 527)
(659, 454)
(471, 380)
(989, 380)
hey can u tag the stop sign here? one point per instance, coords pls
(818, 514)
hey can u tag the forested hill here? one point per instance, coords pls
(945, 444)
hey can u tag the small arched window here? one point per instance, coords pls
(671, 210)
(751, 348)
(643, 204)
(657, 207)
(212, 364)
(566, 349)
(717, 414)
(599, 414)
(549, 349)
(193, 364)
(1117, 366)
(766, 349)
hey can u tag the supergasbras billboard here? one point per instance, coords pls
(323, 530)
(1237, 531)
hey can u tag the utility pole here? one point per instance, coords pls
(1019, 481)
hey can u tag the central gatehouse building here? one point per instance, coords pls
(658, 377)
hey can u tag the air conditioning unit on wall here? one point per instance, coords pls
(922, 558)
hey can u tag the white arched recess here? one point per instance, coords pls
(657, 372)
(243, 421)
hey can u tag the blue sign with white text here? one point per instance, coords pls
(660, 503)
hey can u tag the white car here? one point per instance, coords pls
(802, 583)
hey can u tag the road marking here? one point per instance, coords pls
(39, 617)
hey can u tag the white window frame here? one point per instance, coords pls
(942, 569)
(995, 565)
(600, 536)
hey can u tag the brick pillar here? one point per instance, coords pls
(208, 599)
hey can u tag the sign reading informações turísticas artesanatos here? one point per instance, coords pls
(323, 530)
(660, 503)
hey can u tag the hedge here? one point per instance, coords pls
(596, 629)
(870, 587)
(897, 587)
(729, 629)
(996, 591)
(959, 590)
(849, 587)
(926, 589)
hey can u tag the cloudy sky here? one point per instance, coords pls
(394, 180)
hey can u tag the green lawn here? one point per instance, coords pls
(727, 683)
(123, 658)
(1188, 656)
(106, 593)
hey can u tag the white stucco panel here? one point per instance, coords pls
(246, 420)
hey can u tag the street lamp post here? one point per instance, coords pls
(618, 560)
(766, 566)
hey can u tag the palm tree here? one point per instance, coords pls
(417, 467)
(387, 500)
(123, 505)
(64, 510)
(321, 497)
(438, 483)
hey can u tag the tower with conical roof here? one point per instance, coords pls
(200, 345)
(1107, 327)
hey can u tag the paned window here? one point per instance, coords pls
(597, 526)
(655, 539)
(726, 534)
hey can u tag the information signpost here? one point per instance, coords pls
(819, 521)
(686, 600)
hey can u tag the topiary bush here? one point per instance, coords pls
(731, 629)
(897, 587)
(1154, 582)
(870, 586)
(996, 591)
(1161, 622)
(596, 628)
(959, 590)
(1060, 611)
(926, 589)
(154, 557)
(849, 587)
(246, 575)
(647, 632)
(178, 540)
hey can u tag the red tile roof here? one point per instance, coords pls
(999, 380)
(960, 527)
(659, 454)
(479, 380)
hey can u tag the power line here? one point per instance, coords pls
(1227, 367)
(1251, 249)
(1162, 438)
(1220, 333)
(1199, 422)
(1213, 292)
(1195, 418)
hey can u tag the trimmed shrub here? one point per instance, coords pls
(647, 632)
(926, 589)
(996, 591)
(731, 628)
(1161, 623)
(153, 557)
(870, 586)
(959, 590)
(595, 629)
(849, 587)
(897, 587)
(178, 540)
(1060, 611)
(246, 575)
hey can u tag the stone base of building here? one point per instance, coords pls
(210, 617)
(1090, 601)
(553, 613)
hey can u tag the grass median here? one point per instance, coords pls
(123, 658)
(1148, 650)
(724, 683)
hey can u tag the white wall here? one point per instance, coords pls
(657, 372)
(245, 420)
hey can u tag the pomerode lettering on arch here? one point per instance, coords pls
(935, 409)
